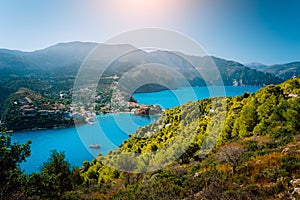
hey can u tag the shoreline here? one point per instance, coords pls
(99, 114)
(76, 125)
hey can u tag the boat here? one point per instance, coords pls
(235, 83)
(95, 146)
(9, 131)
(90, 120)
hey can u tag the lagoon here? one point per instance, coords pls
(110, 130)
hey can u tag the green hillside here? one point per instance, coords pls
(54, 69)
(245, 147)
(256, 157)
(26, 109)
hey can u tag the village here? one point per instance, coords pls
(111, 100)
(27, 110)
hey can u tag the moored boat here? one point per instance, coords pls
(95, 146)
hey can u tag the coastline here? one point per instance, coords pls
(83, 122)
(74, 125)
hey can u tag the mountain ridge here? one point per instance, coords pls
(71, 53)
(256, 65)
(56, 67)
(284, 71)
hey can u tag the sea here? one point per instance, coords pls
(110, 130)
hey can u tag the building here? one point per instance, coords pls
(29, 112)
(29, 101)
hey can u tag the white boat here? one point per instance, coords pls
(95, 146)
(235, 83)
(90, 120)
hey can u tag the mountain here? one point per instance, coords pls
(55, 57)
(71, 55)
(231, 70)
(256, 66)
(283, 71)
(66, 58)
(54, 69)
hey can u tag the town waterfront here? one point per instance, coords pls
(75, 141)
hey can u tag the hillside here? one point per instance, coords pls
(26, 109)
(52, 70)
(255, 154)
(256, 157)
(65, 58)
(283, 71)
(231, 71)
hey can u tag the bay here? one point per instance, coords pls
(75, 141)
(110, 130)
(172, 98)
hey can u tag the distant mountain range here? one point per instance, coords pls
(54, 69)
(65, 58)
(256, 65)
(282, 71)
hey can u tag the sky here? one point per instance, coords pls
(265, 31)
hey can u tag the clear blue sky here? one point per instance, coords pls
(266, 31)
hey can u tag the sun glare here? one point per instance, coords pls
(142, 4)
(144, 10)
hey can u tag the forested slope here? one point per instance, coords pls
(257, 152)
(245, 147)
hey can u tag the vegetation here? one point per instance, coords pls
(40, 112)
(53, 70)
(49, 110)
(254, 154)
(55, 179)
(11, 155)
(230, 154)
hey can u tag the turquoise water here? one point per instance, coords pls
(111, 129)
(75, 141)
(172, 98)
